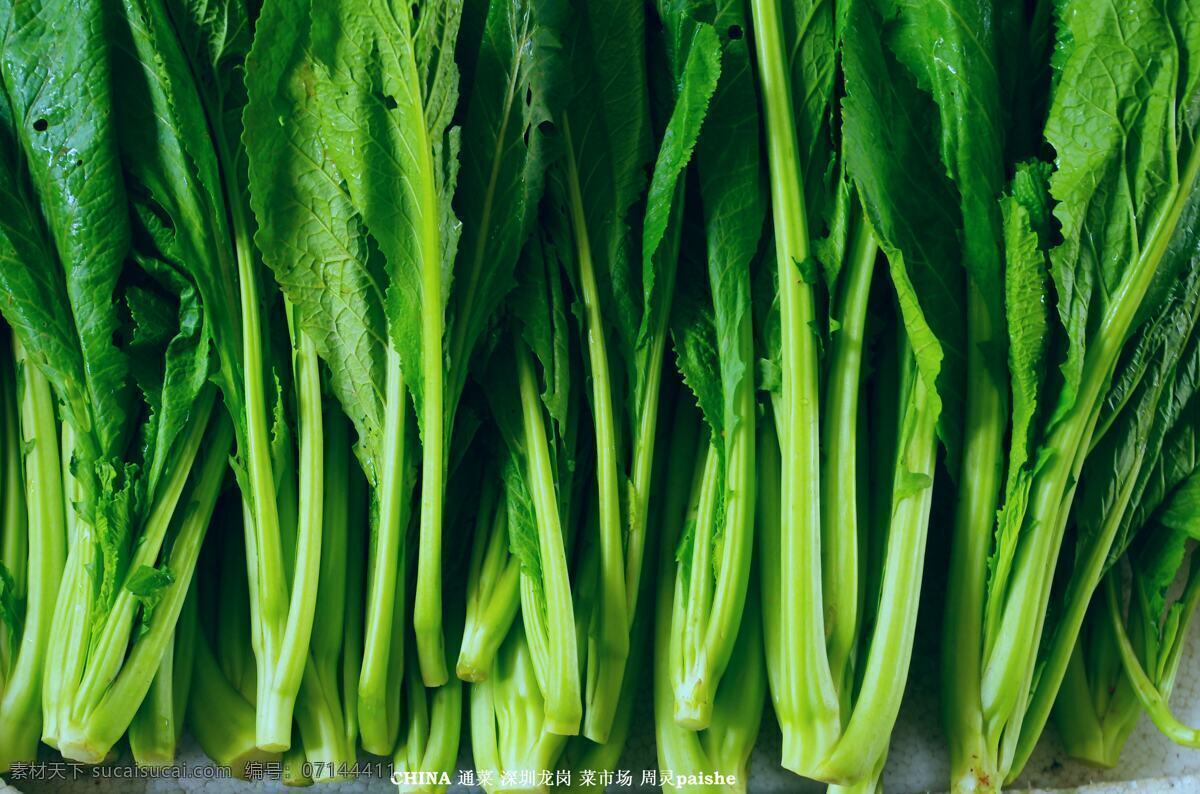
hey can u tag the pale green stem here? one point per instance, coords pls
(435, 727)
(693, 594)
(1075, 715)
(383, 649)
(563, 702)
(973, 765)
(808, 710)
(84, 732)
(864, 742)
(1010, 666)
(152, 733)
(507, 719)
(319, 707)
(14, 532)
(1085, 578)
(220, 719)
(46, 547)
(494, 590)
(266, 575)
(606, 657)
(720, 630)
(840, 535)
(276, 704)
(1152, 698)
(427, 607)
(92, 738)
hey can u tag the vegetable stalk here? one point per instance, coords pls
(34, 548)
(808, 701)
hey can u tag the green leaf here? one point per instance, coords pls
(912, 207)
(1182, 513)
(148, 586)
(694, 332)
(949, 47)
(1113, 125)
(12, 607)
(175, 182)
(1027, 306)
(606, 130)
(31, 282)
(910, 483)
(811, 34)
(696, 78)
(309, 231)
(386, 86)
(539, 307)
(508, 138)
(1124, 462)
(1162, 544)
(216, 37)
(57, 76)
(522, 525)
(733, 198)
(178, 358)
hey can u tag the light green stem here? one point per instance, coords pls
(563, 703)
(106, 660)
(737, 711)
(1085, 578)
(267, 576)
(220, 718)
(434, 730)
(507, 719)
(1151, 697)
(724, 604)
(693, 601)
(427, 607)
(606, 656)
(493, 589)
(808, 711)
(323, 725)
(1075, 715)
(152, 733)
(46, 547)
(1010, 665)
(383, 648)
(840, 534)
(864, 743)
(973, 765)
(277, 703)
(91, 738)
(14, 532)
(156, 728)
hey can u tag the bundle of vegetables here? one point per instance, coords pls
(363, 362)
(849, 354)
(1137, 488)
(103, 306)
(1093, 245)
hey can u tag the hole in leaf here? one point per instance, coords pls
(41, 125)
(416, 12)
(735, 32)
(389, 102)
(546, 128)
